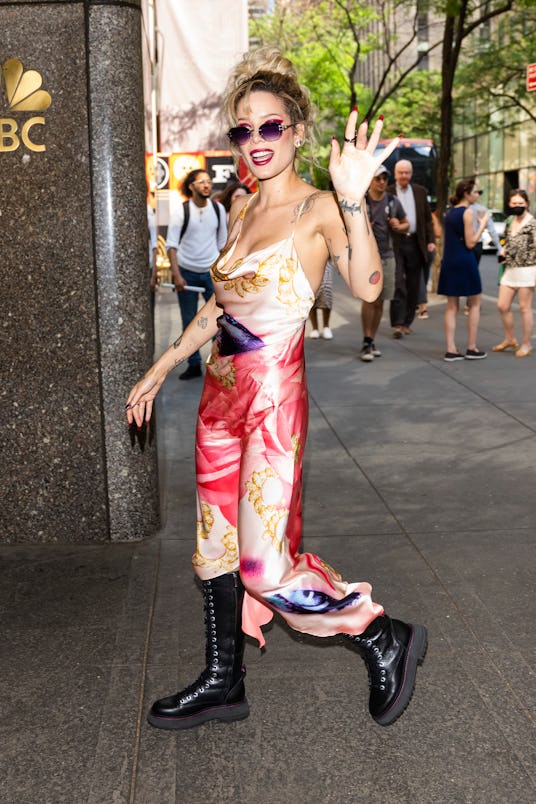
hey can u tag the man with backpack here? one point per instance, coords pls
(386, 214)
(196, 235)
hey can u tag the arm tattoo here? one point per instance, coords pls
(176, 345)
(202, 322)
(374, 278)
(350, 208)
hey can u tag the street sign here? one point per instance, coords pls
(531, 77)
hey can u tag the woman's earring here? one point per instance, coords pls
(298, 143)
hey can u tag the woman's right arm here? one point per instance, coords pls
(201, 330)
(470, 236)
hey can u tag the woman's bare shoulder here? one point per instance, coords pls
(237, 206)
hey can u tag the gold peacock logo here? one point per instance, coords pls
(20, 91)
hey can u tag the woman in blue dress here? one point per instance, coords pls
(459, 274)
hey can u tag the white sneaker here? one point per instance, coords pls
(327, 334)
(314, 333)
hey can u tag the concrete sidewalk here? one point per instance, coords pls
(419, 477)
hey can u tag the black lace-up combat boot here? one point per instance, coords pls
(218, 693)
(391, 651)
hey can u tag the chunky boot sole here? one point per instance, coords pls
(415, 654)
(225, 712)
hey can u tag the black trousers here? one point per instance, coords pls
(409, 272)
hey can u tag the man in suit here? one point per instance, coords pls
(411, 248)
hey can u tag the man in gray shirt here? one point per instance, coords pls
(386, 215)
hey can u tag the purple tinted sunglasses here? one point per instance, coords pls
(269, 132)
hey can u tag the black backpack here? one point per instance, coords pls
(186, 210)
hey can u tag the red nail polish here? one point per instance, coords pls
(354, 109)
(380, 117)
(400, 136)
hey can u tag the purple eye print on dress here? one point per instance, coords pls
(308, 601)
(251, 566)
(234, 337)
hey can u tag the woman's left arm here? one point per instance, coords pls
(353, 246)
(470, 236)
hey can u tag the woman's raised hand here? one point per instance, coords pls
(352, 167)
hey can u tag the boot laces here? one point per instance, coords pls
(209, 675)
(374, 662)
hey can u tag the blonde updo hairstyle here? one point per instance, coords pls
(267, 70)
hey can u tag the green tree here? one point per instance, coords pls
(492, 82)
(317, 37)
(413, 110)
(326, 39)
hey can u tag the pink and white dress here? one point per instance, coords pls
(251, 433)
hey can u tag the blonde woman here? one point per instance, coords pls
(253, 412)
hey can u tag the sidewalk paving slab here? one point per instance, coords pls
(417, 477)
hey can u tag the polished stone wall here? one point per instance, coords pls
(76, 328)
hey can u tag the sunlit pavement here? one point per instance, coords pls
(419, 477)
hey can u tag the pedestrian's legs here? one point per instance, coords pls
(525, 297)
(451, 313)
(313, 319)
(397, 309)
(188, 303)
(473, 319)
(413, 284)
(371, 315)
(504, 305)
(423, 297)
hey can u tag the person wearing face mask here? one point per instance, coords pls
(519, 275)
(459, 275)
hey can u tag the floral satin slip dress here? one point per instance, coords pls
(250, 438)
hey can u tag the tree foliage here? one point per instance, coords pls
(413, 110)
(327, 39)
(491, 80)
(317, 38)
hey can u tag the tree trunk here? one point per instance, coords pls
(448, 67)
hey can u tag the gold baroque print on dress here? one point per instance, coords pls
(247, 284)
(205, 525)
(334, 574)
(286, 291)
(228, 562)
(223, 370)
(270, 515)
(296, 447)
